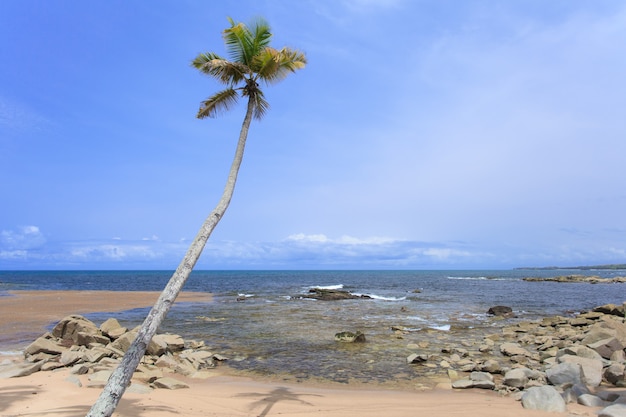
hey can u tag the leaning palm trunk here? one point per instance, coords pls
(120, 379)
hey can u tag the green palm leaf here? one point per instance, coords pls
(252, 59)
(218, 103)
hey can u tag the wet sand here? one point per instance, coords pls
(25, 315)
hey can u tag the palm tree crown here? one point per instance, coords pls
(252, 59)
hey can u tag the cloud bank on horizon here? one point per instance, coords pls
(431, 134)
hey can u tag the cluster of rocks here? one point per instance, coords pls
(546, 363)
(326, 294)
(77, 343)
(579, 278)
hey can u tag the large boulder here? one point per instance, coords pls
(70, 327)
(565, 373)
(591, 368)
(545, 398)
(44, 345)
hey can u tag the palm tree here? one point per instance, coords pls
(253, 60)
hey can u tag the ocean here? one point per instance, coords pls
(266, 325)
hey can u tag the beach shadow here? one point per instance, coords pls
(17, 393)
(26, 393)
(277, 395)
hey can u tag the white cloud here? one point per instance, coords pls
(23, 238)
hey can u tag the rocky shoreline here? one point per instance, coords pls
(545, 363)
(578, 278)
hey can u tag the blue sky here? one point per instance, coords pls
(426, 134)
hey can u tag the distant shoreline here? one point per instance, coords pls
(609, 267)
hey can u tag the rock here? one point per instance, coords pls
(416, 358)
(349, 337)
(591, 368)
(124, 341)
(482, 380)
(17, 370)
(169, 383)
(86, 339)
(565, 373)
(157, 346)
(463, 384)
(139, 388)
(611, 309)
(175, 343)
(492, 366)
(580, 351)
(614, 374)
(571, 394)
(44, 345)
(500, 311)
(70, 357)
(333, 295)
(99, 379)
(516, 378)
(545, 398)
(591, 400)
(70, 326)
(616, 410)
(513, 349)
(112, 327)
(606, 347)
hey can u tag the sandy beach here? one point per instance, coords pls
(54, 393)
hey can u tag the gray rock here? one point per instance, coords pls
(513, 349)
(19, 369)
(44, 345)
(606, 347)
(124, 341)
(616, 410)
(516, 378)
(169, 383)
(416, 358)
(112, 327)
(139, 388)
(502, 311)
(175, 343)
(157, 346)
(591, 368)
(565, 373)
(591, 400)
(70, 357)
(463, 384)
(614, 373)
(70, 326)
(545, 398)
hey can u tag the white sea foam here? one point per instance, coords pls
(443, 327)
(327, 287)
(380, 297)
(477, 278)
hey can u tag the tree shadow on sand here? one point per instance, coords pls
(27, 393)
(277, 395)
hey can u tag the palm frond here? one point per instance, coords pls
(273, 66)
(219, 68)
(218, 103)
(243, 42)
(261, 106)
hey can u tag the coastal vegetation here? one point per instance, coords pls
(252, 61)
(616, 267)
